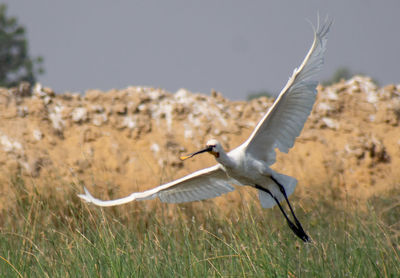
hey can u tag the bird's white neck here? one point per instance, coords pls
(225, 159)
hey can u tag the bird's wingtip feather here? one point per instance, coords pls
(87, 196)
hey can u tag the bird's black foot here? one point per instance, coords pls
(299, 232)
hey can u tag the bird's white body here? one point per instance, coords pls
(249, 164)
(245, 169)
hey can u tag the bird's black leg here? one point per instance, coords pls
(299, 232)
(282, 189)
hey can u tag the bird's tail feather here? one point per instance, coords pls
(287, 182)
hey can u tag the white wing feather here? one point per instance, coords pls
(278, 129)
(285, 119)
(203, 184)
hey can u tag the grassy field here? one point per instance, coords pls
(41, 236)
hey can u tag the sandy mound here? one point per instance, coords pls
(125, 140)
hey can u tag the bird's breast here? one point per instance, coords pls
(247, 171)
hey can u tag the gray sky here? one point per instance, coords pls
(235, 47)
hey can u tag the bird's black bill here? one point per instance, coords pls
(184, 157)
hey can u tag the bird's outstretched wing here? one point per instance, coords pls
(285, 119)
(203, 184)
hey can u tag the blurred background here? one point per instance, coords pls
(54, 140)
(239, 48)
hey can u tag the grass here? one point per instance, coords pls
(43, 237)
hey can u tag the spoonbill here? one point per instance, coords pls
(249, 163)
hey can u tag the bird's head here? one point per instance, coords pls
(213, 147)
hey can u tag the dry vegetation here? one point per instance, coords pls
(346, 160)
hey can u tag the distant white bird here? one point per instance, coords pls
(249, 163)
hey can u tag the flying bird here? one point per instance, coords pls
(249, 163)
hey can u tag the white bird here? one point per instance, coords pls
(249, 163)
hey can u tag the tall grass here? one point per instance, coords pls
(43, 237)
